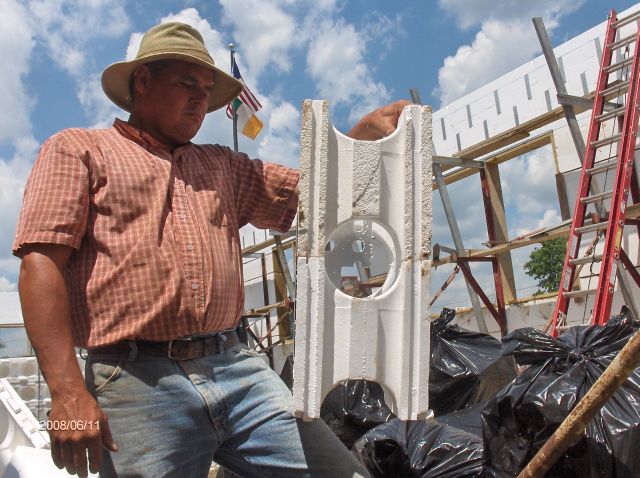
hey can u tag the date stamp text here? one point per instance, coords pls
(69, 425)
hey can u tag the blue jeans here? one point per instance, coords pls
(173, 418)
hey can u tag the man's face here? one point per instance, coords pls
(171, 104)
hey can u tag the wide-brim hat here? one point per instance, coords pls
(169, 41)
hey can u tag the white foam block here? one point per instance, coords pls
(365, 210)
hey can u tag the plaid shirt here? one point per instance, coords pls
(155, 232)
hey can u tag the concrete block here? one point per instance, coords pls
(365, 211)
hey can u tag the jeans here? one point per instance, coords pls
(173, 418)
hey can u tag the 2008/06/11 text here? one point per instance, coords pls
(69, 425)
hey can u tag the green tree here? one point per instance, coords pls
(545, 265)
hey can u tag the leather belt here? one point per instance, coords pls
(183, 348)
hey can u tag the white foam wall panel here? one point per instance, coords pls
(378, 192)
(579, 55)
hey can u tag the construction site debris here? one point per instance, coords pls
(466, 367)
(354, 407)
(559, 372)
(423, 448)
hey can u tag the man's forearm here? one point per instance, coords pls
(45, 309)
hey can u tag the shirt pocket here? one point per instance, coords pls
(130, 188)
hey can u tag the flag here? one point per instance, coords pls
(246, 106)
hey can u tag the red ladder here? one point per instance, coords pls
(608, 219)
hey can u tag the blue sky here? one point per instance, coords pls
(358, 54)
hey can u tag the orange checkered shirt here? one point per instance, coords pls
(155, 233)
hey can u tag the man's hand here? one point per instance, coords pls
(379, 123)
(78, 430)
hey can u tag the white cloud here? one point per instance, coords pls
(335, 61)
(13, 174)
(280, 142)
(550, 218)
(335, 49)
(265, 36)
(489, 56)
(505, 40)
(16, 104)
(7, 286)
(66, 26)
(134, 45)
(529, 190)
(383, 30)
(16, 44)
(66, 29)
(95, 103)
(468, 13)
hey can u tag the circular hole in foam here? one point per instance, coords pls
(360, 258)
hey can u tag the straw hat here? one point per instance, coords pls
(169, 41)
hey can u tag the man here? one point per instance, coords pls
(130, 248)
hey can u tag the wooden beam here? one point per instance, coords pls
(515, 151)
(268, 243)
(563, 198)
(538, 237)
(466, 163)
(280, 286)
(497, 226)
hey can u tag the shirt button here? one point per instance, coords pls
(189, 247)
(194, 286)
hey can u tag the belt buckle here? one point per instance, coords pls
(170, 348)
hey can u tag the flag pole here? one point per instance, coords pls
(232, 51)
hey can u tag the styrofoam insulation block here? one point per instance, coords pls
(18, 426)
(370, 200)
(22, 374)
(27, 462)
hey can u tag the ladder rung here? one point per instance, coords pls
(618, 66)
(603, 166)
(599, 226)
(617, 89)
(596, 197)
(611, 114)
(626, 20)
(622, 42)
(578, 293)
(606, 141)
(585, 260)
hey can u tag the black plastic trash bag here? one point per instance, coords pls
(354, 407)
(468, 419)
(466, 367)
(420, 449)
(526, 413)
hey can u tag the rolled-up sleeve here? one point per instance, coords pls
(56, 197)
(265, 194)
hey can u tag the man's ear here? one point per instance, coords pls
(141, 78)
